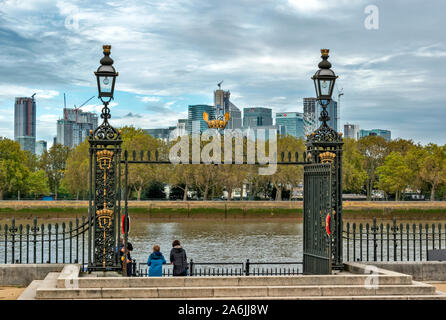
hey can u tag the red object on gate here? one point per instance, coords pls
(122, 224)
(327, 224)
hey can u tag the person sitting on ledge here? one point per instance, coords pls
(155, 262)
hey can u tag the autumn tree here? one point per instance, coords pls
(394, 175)
(433, 167)
(353, 173)
(77, 170)
(53, 162)
(13, 169)
(141, 176)
(373, 150)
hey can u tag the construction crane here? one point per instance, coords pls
(32, 97)
(338, 116)
(83, 104)
(219, 84)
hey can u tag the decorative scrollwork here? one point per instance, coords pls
(105, 131)
(325, 134)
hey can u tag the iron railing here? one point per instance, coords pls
(246, 268)
(67, 243)
(58, 243)
(392, 241)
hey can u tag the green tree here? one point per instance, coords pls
(140, 176)
(37, 183)
(53, 162)
(77, 170)
(433, 167)
(353, 173)
(373, 149)
(394, 175)
(13, 169)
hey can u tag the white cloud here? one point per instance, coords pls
(11, 91)
(149, 99)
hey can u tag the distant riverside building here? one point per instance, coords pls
(312, 111)
(292, 123)
(351, 131)
(223, 105)
(257, 117)
(195, 114)
(310, 120)
(253, 132)
(25, 123)
(179, 130)
(41, 147)
(75, 126)
(386, 134)
(160, 133)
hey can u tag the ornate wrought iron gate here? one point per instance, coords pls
(317, 219)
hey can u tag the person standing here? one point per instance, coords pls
(179, 259)
(129, 258)
(155, 262)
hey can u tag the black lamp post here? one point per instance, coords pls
(106, 77)
(324, 146)
(324, 81)
(105, 178)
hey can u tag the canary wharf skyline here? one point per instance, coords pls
(173, 54)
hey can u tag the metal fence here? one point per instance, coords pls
(58, 243)
(392, 241)
(68, 243)
(230, 269)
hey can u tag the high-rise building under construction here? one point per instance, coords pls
(25, 123)
(75, 126)
(223, 105)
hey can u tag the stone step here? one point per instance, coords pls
(234, 281)
(415, 289)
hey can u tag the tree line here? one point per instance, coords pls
(371, 163)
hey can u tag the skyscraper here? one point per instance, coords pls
(223, 105)
(74, 128)
(41, 147)
(312, 111)
(310, 123)
(351, 131)
(257, 117)
(293, 123)
(386, 134)
(195, 113)
(25, 123)
(159, 133)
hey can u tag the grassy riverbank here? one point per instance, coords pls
(353, 210)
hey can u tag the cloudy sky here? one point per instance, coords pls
(172, 53)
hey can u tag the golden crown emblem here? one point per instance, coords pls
(104, 158)
(327, 157)
(104, 217)
(216, 124)
(325, 52)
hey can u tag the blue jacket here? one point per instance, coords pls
(155, 263)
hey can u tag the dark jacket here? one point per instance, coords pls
(155, 263)
(129, 257)
(179, 259)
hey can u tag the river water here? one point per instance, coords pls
(230, 241)
(221, 241)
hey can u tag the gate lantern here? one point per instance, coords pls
(324, 79)
(106, 76)
(323, 184)
(105, 182)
